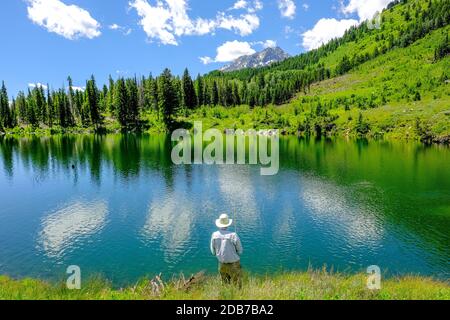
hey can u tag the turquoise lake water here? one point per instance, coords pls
(115, 205)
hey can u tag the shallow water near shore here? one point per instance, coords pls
(115, 205)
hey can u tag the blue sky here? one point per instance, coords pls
(44, 41)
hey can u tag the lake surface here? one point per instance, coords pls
(115, 205)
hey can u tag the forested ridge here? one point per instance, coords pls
(142, 102)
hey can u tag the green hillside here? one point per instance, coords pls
(395, 82)
(402, 93)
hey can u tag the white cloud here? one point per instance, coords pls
(45, 87)
(305, 6)
(244, 25)
(230, 51)
(257, 6)
(37, 85)
(363, 8)
(125, 30)
(326, 30)
(240, 4)
(287, 8)
(169, 19)
(69, 21)
(75, 88)
(267, 44)
(207, 60)
(251, 7)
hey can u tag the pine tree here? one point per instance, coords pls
(50, 109)
(200, 91)
(13, 114)
(22, 108)
(71, 98)
(167, 97)
(120, 102)
(189, 94)
(214, 94)
(5, 114)
(110, 98)
(92, 98)
(151, 93)
(132, 110)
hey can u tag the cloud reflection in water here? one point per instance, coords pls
(339, 211)
(64, 228)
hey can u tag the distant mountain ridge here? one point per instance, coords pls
(259, 59)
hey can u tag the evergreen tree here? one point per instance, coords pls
(13, 114)
(5, 113)
(111, 97)
(50, 109)
(71, 98)
(92, 99)
(214, 94)
(167, 97)
(200, 91)
(21, 104)
(120, 102)
(31, 111)
(132, 109)
(189, 94)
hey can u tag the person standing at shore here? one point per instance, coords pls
(227, 247)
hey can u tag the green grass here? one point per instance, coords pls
(312, 285)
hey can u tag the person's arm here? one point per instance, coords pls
(238, 245)
(212, 246)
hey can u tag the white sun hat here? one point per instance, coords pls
(224, 221)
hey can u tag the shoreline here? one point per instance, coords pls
(309, 285)
(438, 141)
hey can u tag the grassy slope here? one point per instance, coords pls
(396, 75)
(293, 286)
(392, 74)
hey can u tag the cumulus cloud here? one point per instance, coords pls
(244, 25)
(325, 30)
(363, 8)
(168, 20)
(287, 8)
(69, 21)
(229, 51)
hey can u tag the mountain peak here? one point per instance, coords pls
(260, 59)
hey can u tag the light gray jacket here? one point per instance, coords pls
(226, 246)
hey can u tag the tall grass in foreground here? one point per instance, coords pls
(312, 285)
